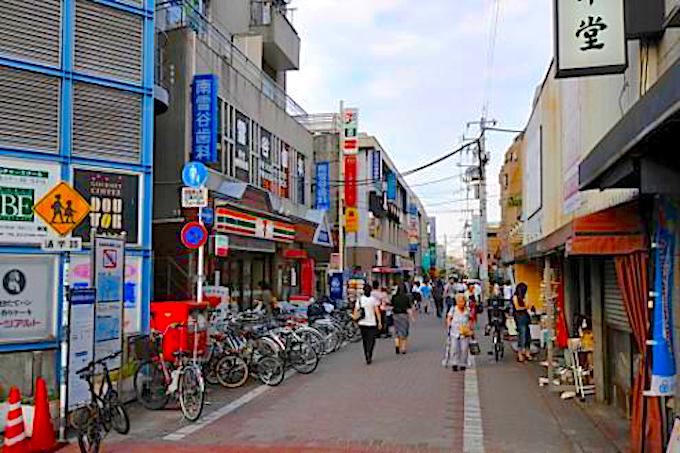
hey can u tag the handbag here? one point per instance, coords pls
(474, 348)
(361, 312)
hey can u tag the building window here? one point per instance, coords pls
(505, 180)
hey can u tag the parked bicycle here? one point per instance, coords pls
(158, 379)
(103, 412)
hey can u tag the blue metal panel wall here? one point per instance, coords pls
(67, 161)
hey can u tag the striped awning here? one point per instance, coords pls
(232, 221)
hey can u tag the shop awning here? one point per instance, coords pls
(386, 270)
(637, 151)
(613, 231)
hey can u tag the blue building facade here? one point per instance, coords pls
(77, 90)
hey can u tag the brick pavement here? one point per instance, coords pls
(398, 404)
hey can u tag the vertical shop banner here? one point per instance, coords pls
(391, 186)
(284, 183)
(81, 344)
(300, 169)
(204, 118)
(109, 278)
(28, 298)
(242, 152)
(663, 361)
(413, 238)
(351, 220)
(266, 167)
(23, 183)
(114, 203)
(376, 169)
(323, 186)
(351, 181)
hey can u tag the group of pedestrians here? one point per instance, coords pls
(377, 310)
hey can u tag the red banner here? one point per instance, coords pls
(351, 181)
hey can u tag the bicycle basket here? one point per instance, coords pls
(146, 347)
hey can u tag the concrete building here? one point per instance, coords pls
(259, 181)
(77, 90)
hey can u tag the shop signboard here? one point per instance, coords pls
(114, 203)
(204, 118)
(335, 286)
(235, 222)
(590, 37)
(663, 361)
(80, 276)
(242, 154)
(109, 281)
(323, 186)
(350, 125)
(284, 183)
(350, 181)
(28, 298)
(391, 186)
(22, 184)
(376, 169)
(221, 245)
(81, 343)
(351, 220)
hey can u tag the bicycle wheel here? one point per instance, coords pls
(191, 392)
(270, 370)
(303, 357)
(314, 338)
(497, 346)
(231, 371)
(117, 414)
(150, 385)
(267, 346)
(210, 370)
(352, 332)
(90, 439)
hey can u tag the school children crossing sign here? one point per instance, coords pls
(62, 208)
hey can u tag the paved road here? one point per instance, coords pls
(399, 403)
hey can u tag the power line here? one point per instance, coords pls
(441, 159)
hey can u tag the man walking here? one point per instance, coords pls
(438, 294)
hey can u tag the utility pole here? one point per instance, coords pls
(341, 201)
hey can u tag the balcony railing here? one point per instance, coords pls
(261, 11)
(176, 14)
(321, 122)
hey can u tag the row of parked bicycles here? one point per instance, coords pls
(240, 346)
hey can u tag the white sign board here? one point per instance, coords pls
(590, 37)
(109, 273)
(81, 344)
(194, 197)
(22, 183)
(69, 244)
(28, 298)
(80, 276)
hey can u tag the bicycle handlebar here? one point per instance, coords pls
(101, 361)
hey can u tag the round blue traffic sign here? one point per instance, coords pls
(194, 174)
(194, 235)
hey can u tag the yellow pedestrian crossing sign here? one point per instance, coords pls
(62, 208)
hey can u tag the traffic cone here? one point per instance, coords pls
(15, 436)
(43, 438)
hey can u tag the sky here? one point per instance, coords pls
(418, 71)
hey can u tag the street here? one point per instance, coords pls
(406, 403)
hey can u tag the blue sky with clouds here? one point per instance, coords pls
(417, 70)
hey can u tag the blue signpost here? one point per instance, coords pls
(207, 216)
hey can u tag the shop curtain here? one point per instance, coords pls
(631, 273)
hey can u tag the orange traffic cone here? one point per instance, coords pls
(15, 436)
(43, 438)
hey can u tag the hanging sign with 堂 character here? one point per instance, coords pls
(590, 37)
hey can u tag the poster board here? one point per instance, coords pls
(28, 298)
(109, 280)
(81, 343)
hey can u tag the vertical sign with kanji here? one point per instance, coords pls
(590, 37)
(323, 186)
(204, 118)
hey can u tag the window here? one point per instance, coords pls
(505, 180)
